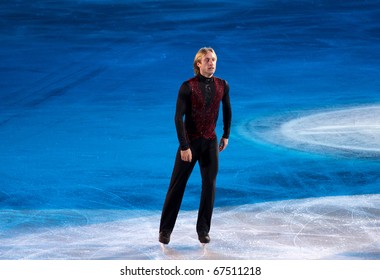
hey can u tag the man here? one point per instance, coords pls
(198, 102)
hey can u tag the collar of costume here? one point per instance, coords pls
(205, 80)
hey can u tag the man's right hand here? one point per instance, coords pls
(186, 155)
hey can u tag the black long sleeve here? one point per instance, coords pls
(182, 108)
(227, 112)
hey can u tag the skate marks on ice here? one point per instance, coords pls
(351, 131)
(93, 238)
(346, 227)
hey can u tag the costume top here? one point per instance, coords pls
(199, 102)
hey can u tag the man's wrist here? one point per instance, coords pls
(185, 147)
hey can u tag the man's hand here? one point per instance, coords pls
(223, 144)
(186, 155)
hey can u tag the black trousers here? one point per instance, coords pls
(206, 153)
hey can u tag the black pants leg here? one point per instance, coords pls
(208, 163)
(206, 152)
(181, 173)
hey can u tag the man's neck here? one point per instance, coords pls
(205, 79)
(206, 76)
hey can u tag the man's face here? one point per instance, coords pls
(207, 66)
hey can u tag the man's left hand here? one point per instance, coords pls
(223, 144)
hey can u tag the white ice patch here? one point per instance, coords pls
(345, 227)
(351, 132)
(356, 129)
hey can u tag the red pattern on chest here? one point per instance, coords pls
(204, 117)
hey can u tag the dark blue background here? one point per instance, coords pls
(88, 92)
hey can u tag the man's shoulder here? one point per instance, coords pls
(185, 88)
(220, 80)
(223, 83)
(192, 79)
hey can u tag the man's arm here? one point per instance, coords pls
(181, 108)
(227, 118)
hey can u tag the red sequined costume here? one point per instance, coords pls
(198, 103)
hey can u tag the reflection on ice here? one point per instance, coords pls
(353, 132)
(346, 227)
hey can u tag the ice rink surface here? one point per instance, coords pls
(331, 228)
(87, 137)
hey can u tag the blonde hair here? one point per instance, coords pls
(198, 57)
